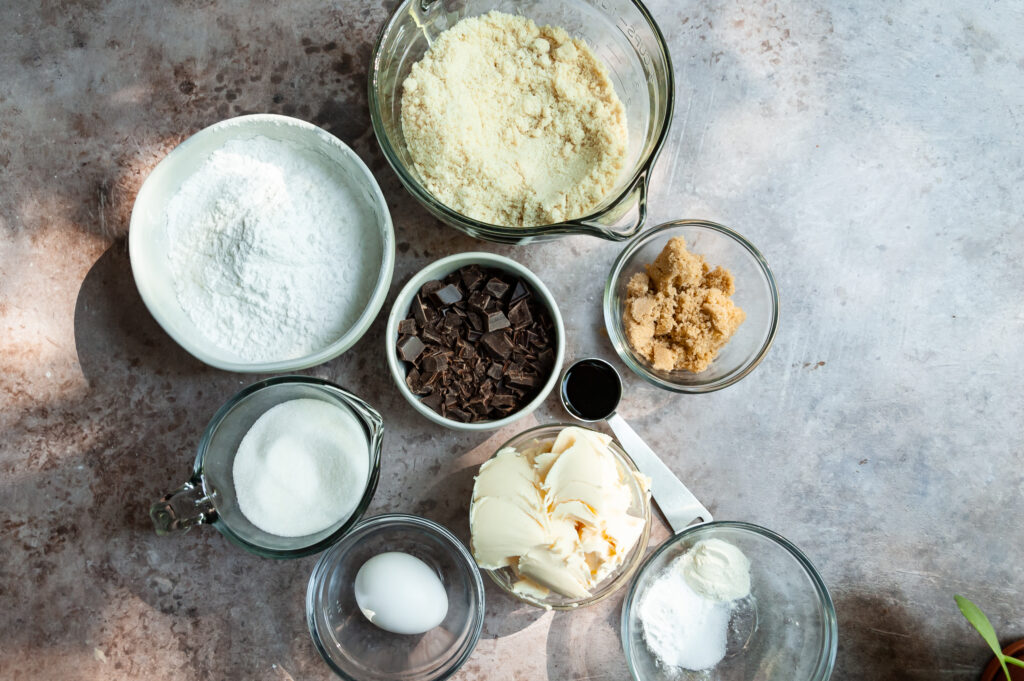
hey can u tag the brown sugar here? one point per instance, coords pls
(680, 313)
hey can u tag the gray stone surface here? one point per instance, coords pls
(872, 151)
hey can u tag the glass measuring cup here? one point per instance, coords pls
(624, 37)
(209, 495)
(590, 390)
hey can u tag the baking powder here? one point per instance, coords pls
(268, 250)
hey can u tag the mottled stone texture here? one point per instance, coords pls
(872, 150)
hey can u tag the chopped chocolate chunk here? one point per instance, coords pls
(503, 401)
(435, 363)
(519, 315)
(409, 348)
(431, 334)
(496, 344)
(473, 335)
(497, 321)
(479, 301)
(449, 295)
(519, 292)
(496, 287)
(458, 414)
(433, 400)
(519, 378)
(422, 313)
(430, 287)
(452, 322)
(472, 277)
(407, 327)
(495, 371)
(476, 321)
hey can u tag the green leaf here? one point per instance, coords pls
(980, 622)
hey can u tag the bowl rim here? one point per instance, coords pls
(402, 520)
(265, 124)
(612, 319)
(585, 224)
(440, 268)
(628, 571)
(827, 658)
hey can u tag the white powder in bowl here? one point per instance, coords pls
(301, 468)
(514, 124)
(270, 250)
(688, 628)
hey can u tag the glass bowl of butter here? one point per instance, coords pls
(560, 516)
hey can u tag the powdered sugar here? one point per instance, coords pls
(687, 628)
(268, 250)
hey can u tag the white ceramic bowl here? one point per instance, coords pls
(439, 270)
(148, 241)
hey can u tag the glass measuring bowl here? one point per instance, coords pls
(209, 495)
(620, 32)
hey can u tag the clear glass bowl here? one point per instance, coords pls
(786, 630)
(360, 651)
(641, 507)
(209, 496)
(756, 293)
(620, 32)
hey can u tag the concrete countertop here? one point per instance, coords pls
(872, 151)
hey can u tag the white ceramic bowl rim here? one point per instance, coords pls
(265, 124)
(439, 269)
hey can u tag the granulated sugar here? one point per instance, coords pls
(269, 251)
(301, 468)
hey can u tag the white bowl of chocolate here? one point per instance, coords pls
(475, 341)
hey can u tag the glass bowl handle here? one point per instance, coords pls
(610, 223)
(178, 511)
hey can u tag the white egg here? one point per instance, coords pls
(400, 593)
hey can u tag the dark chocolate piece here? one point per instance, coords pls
(496, 321)
(449, 295)
(519, 292)
(472, 277)
(496, 344)
(479, 301)
(496, 287)
(430, 287)
(519, 315)
(434, 364)
(409, 348)
(433, 400)
(407, 327)
(503, 401)
(496, 371)
(420, 311)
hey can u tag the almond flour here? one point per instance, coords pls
(514, 124)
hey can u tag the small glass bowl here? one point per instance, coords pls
(359, 651)
(756, 293)
(641, 506)
(784, 631)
